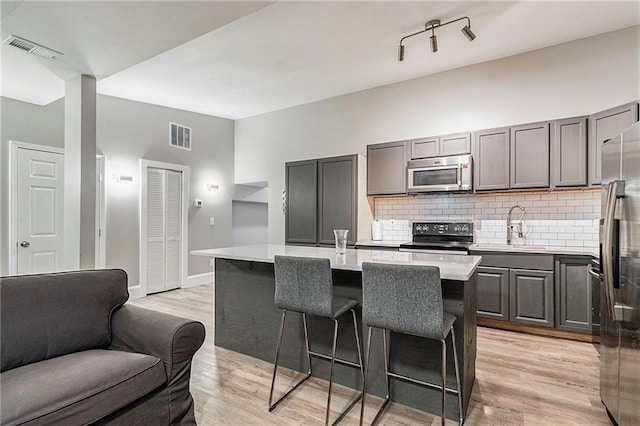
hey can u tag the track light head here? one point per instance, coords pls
(400, 53)
(434, 43)
(466, 30)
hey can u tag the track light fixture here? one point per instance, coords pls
(431, 26)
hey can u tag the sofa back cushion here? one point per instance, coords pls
(48, 315)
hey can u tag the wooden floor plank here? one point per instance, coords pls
(521, 380)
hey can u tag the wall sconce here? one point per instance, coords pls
(431, 26)
(123, 178)
(211, 186)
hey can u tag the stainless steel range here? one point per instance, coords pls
(440, 237)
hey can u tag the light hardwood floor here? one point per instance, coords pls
(521, 380)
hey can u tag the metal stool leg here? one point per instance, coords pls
(275, 365)
(333, 359)
(355, 329)
(444, 379)
(366, 373)
(455, 363)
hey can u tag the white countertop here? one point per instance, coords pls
(520, 248)
(452, 267)
(381, 243)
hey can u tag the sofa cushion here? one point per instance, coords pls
(78, 388)
(48, 315)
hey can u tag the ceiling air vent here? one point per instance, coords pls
(31, 47)
(180, 136)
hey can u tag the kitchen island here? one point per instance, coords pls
(247, 321)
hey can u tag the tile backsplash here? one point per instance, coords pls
(564, 218)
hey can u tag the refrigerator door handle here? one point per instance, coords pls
(615, 191)
(594, 274)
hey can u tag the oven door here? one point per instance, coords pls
(435, 178)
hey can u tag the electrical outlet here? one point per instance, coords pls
(211, 262)
(211, 221)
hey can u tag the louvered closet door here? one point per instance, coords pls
(164, 229)
(173, 229)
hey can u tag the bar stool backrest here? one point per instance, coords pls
(403, 298)
(304, 285)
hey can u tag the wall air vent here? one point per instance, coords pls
(31, 47)
(180, 136)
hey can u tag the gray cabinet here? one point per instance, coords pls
(491, 159)
(493, 292)
(531, 297)
(574, 294)
(457, 144)
(441, 146)
(387, 168)
(425, 148)
(301, 180)
(605, 125)
(516, 287)
(569, 152)
(529, 156)
(337, 198)
(321, 197)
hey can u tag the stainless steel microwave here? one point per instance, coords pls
(440, 174)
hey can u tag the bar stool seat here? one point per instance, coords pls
(342, 305)
(407, 299)
(304, 285)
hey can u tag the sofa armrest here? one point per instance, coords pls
(173, 339)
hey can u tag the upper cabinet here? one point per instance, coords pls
(560, 153)
(512, 157)
(387, 168)
(491, 159)
(530, 156)
(569, 152)
(605, 125)
(441, 146)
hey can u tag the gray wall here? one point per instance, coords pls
(128, 131)
(24, 122)
(250, 222)
(571, 79)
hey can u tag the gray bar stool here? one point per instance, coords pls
(305, 285)
(407, 299)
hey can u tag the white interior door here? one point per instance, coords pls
(164, 229)
(39, 211)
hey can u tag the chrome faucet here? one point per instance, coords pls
(509, 228)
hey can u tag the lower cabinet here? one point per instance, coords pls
(576, 300)
(542, 290)
(493, 292)
(531, 297)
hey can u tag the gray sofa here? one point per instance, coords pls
(73, 353)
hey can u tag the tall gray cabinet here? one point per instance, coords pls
(605, 125)
(321, 196)
(301, 215)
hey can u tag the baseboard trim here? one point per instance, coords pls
(539, 331)
(135, 292)
(199, 279)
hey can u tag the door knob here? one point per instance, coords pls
(25, 244)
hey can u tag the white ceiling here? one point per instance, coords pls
(238, 59)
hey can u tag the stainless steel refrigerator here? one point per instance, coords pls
(620, 268)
